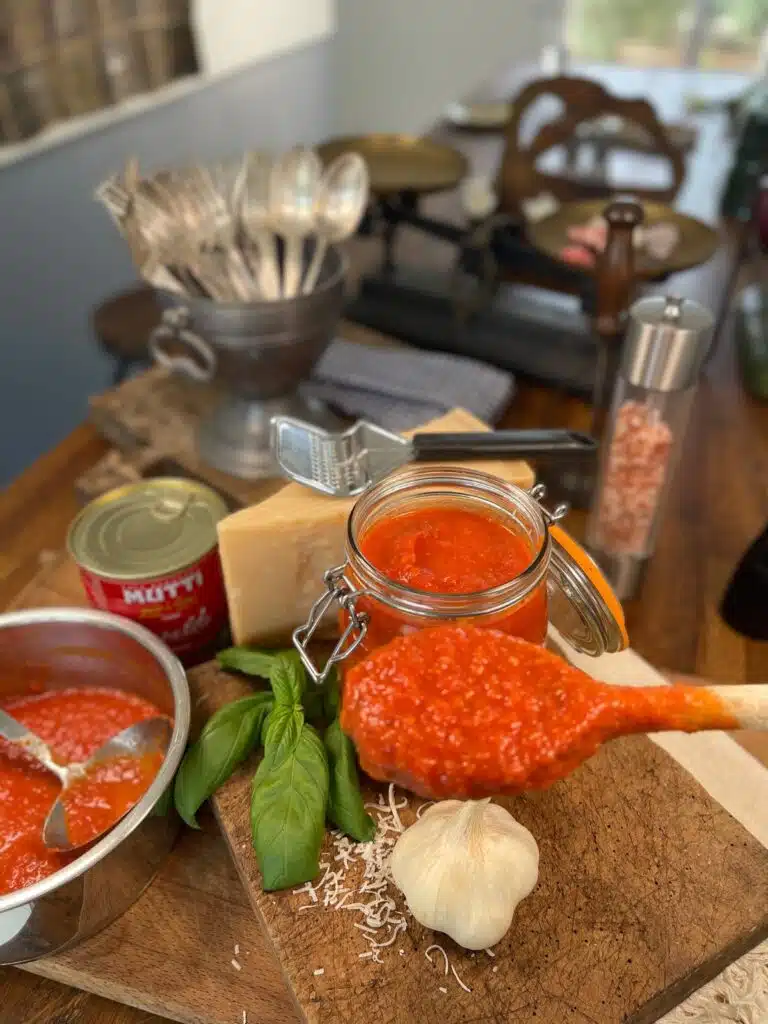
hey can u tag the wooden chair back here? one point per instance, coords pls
(584, 100)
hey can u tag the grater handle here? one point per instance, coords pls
(519, 444)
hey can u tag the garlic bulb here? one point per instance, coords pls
(463, 867)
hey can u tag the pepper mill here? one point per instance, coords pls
(665, 349)
(615, 286)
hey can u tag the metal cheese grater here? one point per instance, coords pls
(344, 464)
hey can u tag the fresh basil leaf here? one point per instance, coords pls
(228, 737)
(248, 660)
(288, 802)
(280, 735)
(332, 695)
(345, 801)
(287, 677)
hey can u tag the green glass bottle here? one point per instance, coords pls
(751, 159)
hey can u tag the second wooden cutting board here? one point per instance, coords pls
(648, 887)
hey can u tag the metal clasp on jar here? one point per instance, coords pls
(340, 591)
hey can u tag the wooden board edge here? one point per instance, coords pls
(118, 993)
(681, 990)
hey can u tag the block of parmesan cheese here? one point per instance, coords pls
(274, 553)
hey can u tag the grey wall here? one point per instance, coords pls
(60, 255)
(400, 62)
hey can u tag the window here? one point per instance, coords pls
(727, 35)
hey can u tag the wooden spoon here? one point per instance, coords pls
(462, 712)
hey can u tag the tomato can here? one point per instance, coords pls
(148, 551)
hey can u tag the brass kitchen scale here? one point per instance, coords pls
(541, 334)
(402, 163)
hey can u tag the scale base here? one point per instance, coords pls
(538, 335)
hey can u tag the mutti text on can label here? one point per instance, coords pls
(187, 609)
(168, 590)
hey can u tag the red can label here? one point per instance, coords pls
(187, 609)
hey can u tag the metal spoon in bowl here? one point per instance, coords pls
(341, 203)
(147, 737)
(293, 190)
(255, 220)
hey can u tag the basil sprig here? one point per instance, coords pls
(302, 777)
(345, 801)
(227, 739)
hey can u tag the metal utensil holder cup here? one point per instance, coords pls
(257, 354)
(340, 590)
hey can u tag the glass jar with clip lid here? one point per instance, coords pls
(429, 545)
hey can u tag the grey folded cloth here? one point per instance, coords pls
(399, 388)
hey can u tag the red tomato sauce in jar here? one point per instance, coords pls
(450, 550)
(74, 722)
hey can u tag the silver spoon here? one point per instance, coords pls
(136, 741)
(293, 190)
(255, 219)
(341, 203)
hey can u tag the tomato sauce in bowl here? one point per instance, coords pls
(74, 722)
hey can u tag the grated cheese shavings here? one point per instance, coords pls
(356, 878)
(235, 964)
(495, 969)
(461, 983)
(393, 807)
(237, 949)
(439, 950)
(245, 1017)
(444, 990)
(319, 970)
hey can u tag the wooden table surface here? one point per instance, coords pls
(718, 503)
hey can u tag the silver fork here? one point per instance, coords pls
(169, 236)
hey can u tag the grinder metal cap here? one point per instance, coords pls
(667, 342)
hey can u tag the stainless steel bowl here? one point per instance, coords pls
(62, 647)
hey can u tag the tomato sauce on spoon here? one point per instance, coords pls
(458, 711)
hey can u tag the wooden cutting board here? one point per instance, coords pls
(648, 888)
(171, 953)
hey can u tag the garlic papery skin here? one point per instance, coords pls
(463, 867)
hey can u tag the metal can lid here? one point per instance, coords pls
(147, 529)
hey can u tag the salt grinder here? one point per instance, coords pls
(666, 345)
